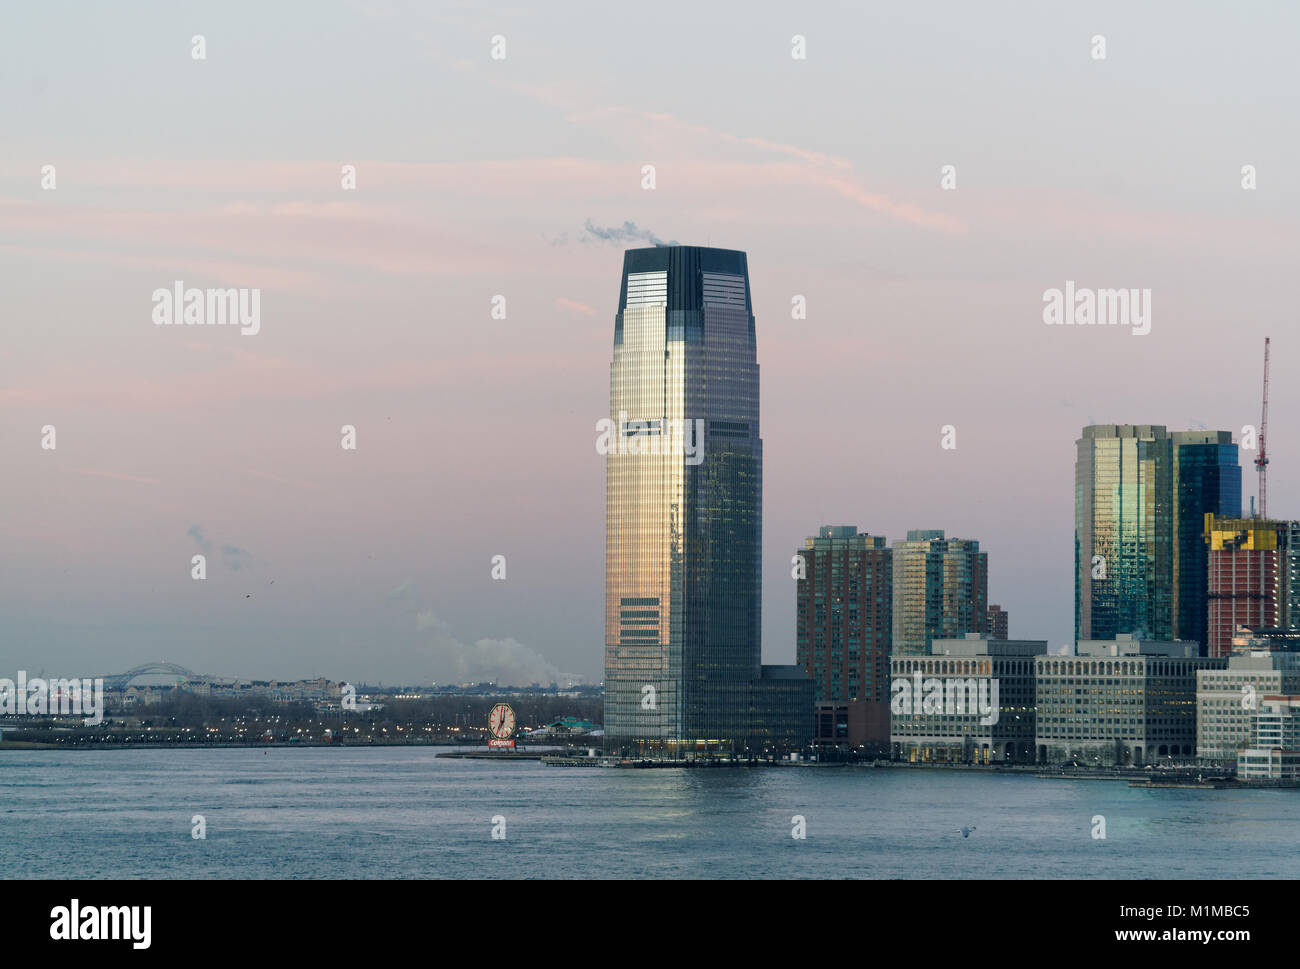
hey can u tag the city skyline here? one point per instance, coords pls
(922, 306)
(719, 444)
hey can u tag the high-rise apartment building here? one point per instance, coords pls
(683, 516)
(941, 590)
(843, 605)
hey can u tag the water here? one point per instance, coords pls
(402, 813)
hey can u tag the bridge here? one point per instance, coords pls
(120, 681)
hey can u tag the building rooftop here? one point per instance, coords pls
(975, 644)
(1125, 644)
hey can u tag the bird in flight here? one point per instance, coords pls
(965, 832)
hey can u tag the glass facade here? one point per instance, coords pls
(1207, 481)
(683, 521)
(1123, 533)
(1141, 497)
(1291, 577)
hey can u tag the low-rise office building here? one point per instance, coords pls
(1124, 701)
(970, 702)
(1228, 699)
(1274, 753)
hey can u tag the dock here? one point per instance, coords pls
(578, 762)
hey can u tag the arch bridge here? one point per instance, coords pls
(120, 681)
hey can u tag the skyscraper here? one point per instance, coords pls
(941, 590)
(1123, 533)
(1207, 481)
(1141, 497)
(683, 515)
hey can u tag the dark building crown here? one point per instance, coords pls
(695, 275)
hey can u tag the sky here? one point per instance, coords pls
(521, 177)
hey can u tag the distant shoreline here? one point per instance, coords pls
(1182, 778)
(235, 744)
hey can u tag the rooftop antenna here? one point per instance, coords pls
(1261, 462)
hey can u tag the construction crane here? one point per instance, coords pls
(1261, 462)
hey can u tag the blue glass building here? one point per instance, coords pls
(1141, 496)
(1207, 480)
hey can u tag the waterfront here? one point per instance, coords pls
(404, 813)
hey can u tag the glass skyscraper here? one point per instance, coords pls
(683, 515)
(1207, 481)
(1141, 496)
(1123, 533)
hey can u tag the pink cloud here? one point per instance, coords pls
(569, 304)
